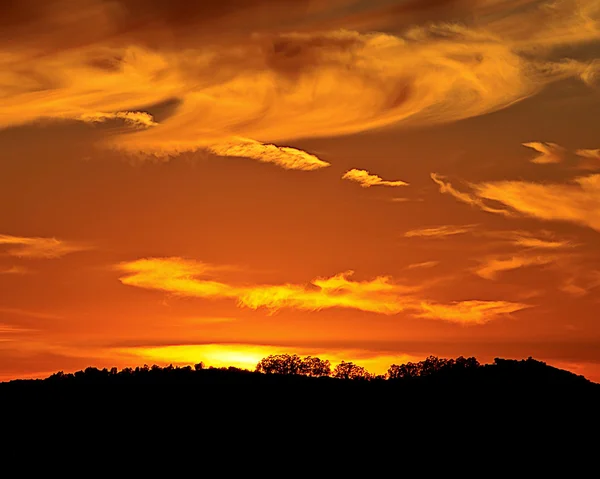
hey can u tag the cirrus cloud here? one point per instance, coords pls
(275, 79)
(35, 247)
(548, 152)
(366, 179)
(380, 295)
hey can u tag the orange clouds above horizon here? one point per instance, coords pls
(379, 295)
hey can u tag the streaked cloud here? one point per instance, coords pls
(592, 154)
(576, 202)
(184, 277)
(14, 270)
(491, 267)
(439, 231)
(581, 284)
(425, 264)
(590, 159)
(138, 119)
(366, 179)
(548, 152)
(470, 312)
(285, 157)
(273, 85)
(36, 248)
(447, 188)
(379, 295)
(543, 240)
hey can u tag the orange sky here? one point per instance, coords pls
(374, 181)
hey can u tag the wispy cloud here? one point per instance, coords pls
(541, 240)
(34, 247)
(447, 188)
(548, 152)
(470, 312)
(580, 284)
(590, 159)
(576, 202)
(264, 80)
(14, 270)
(138, 119)
(285, 157)
(439, 231)
(425, 264)
(185, 277)
(592, 154)
(379, 295)
(491, 267)
(366, 179)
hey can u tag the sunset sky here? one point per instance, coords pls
(373, 181)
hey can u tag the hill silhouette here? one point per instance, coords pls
(313, 374)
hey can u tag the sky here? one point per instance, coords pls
(373, 181)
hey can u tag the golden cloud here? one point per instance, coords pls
(425, 264)
(548, 152)
(439, 231)
(286, 157)
(35, 248)
(104, 60)
(366, 179)
(491, 267)
(470, 312)
(590, 159)
(379, 295)
(576, 202)
(447, 188)
(138, 119)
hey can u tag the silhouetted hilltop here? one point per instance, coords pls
(458, 375)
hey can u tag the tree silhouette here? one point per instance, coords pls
(292, 364)
(315, 367)
(350, 370)
(280, 364)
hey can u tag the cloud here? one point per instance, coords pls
(470, 312)
(36, 248)
(548, 152)
(286, 157)
(592, 154)
(446, 187)
(379, 295)
(274, 79)
(184, 277)
(590, 159)
(492, 266)
(366, 179)
(576, 202)
(14, 270)
(582, 283)
(542, 240)
(138, 119)
(439, 231)
(425, 264)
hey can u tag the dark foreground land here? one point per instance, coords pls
(504, 375)
(434, 400)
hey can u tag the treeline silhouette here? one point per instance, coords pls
(315, 373)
